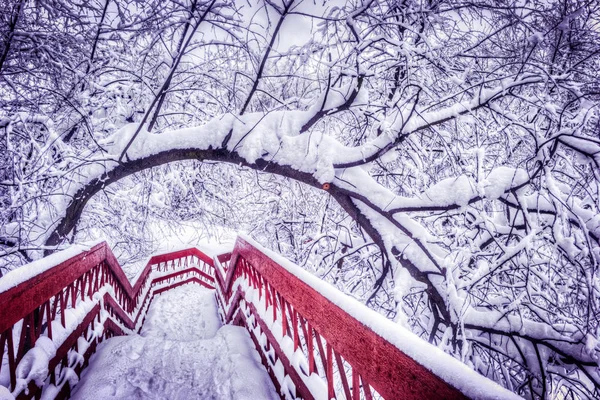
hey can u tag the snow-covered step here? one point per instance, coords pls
(183, 352)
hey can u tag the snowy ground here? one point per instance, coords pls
(183, 352)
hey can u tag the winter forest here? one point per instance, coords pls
(438, 160)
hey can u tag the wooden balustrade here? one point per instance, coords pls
(351, 360)
(42, 304)
(310, 346)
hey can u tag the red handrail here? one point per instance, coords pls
(353, 361)
(311, 346)
(40, 305)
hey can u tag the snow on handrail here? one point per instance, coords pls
(48, 307)
(315, 342)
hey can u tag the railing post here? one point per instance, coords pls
(283, 316)
(295, 326)
(311, 351)
(49, 319)
(27, 340)
(12, 364)
(355, 384)
(329, 373)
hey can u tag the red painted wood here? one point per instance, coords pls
(241, 321)
(355, 385)
(12, 365)
(234, 303)
(330, 383)
(283, 316)
(343, 376)
(176, 255)
(382, 365)
(49, 320)
(22, 299)
(311, 351)
(79, 278)
(321, 352)
(295, 325)
(367, 390)
(223, 258)
(185, 271)
(180, 283)
(71, 340)
(287, 365)
(373, 360)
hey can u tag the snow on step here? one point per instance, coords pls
(183, 352)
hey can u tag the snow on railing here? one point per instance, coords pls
(318, 343)
(315, 342)
(54, 312)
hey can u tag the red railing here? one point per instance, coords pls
(311, 346)
(70, 301)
